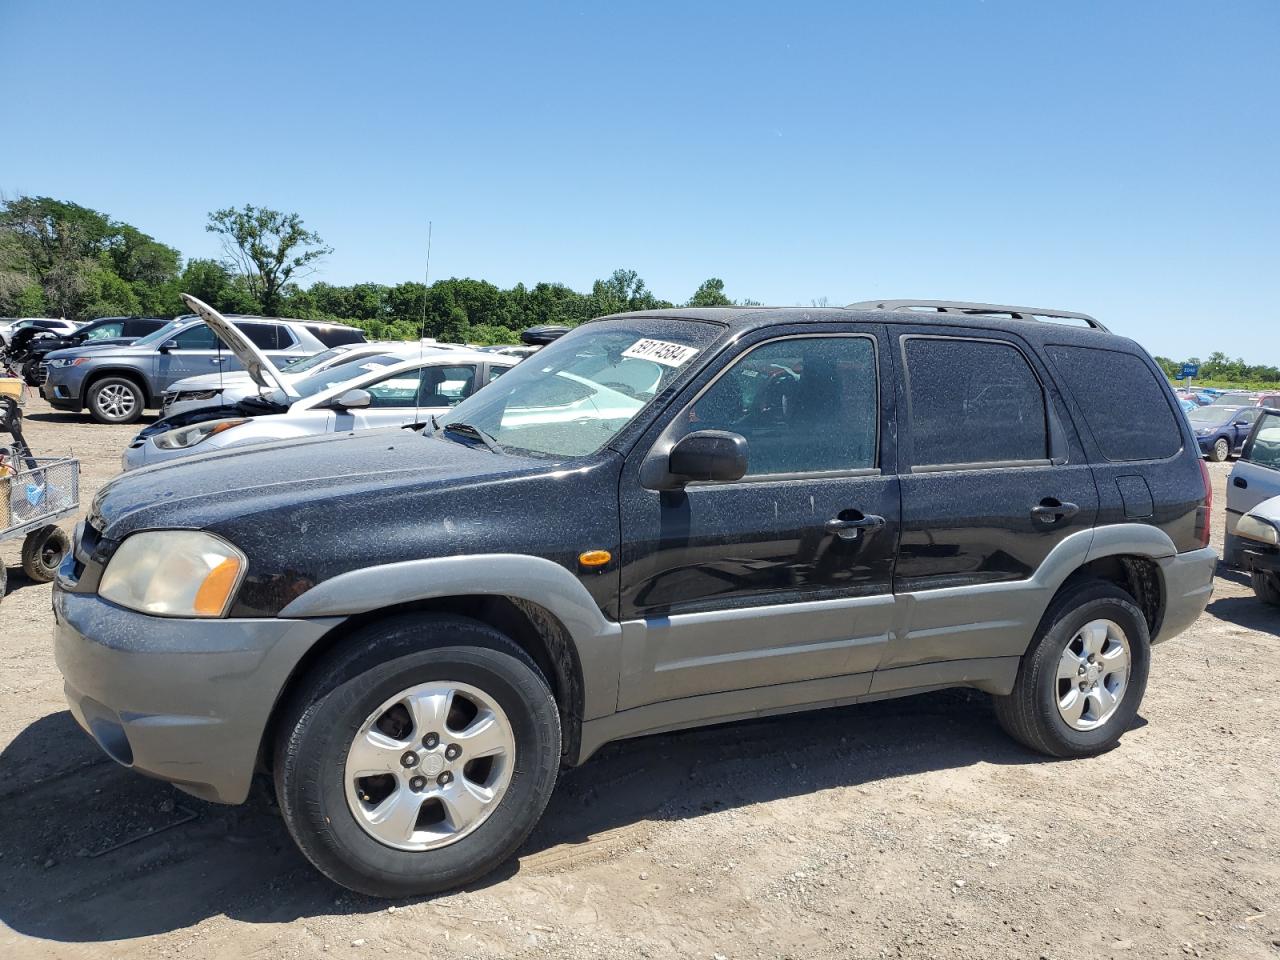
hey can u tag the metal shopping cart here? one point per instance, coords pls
(34, 493)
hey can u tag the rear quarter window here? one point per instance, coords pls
(335, 336)
(1123, 402)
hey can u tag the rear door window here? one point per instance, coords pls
(446, 386)
(265, 336)
(1263, 447)
(973, 402)
(1124, 404)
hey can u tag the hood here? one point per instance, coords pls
(123, 347)
(256, 363)
(1268, 510)
(295, 475)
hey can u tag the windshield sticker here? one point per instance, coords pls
(660, 351)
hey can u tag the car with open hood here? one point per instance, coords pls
(407, 384)
(662, 519)
(226, 390)
(117, 383)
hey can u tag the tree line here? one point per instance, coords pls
(61, 259)
(1219, 368)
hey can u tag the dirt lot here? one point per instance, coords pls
(908, 828)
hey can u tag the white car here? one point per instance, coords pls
(52, 324)
(409, 391)
(228, 389)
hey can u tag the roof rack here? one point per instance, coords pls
(978, 310)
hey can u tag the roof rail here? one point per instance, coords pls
(977, 310)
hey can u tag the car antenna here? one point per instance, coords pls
(422, 329)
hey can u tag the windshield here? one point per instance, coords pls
(342, 372)
(1208, 415)
(303, 364)
(164, 333)
(574, 396)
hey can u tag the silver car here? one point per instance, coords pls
(1255, 478)
(335, 400)
(117, 382)
(226, 390)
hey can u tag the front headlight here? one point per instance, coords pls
(1255, 528)
(185, 437)
(68, 362)
(197, 394)
(174, 573)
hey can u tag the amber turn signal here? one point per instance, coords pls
(595, 558)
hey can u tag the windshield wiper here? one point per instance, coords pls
(468, 430)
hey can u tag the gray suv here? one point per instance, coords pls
(116, 382)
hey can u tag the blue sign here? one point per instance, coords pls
(1189, 371)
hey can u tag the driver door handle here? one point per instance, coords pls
(1050, 510)
(851, 528)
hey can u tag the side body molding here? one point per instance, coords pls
(533, 579)
(998, 620)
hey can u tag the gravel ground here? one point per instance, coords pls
(908, 828)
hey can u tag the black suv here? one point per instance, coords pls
(664, 519)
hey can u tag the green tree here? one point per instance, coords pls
(269, 248)
(710, 294)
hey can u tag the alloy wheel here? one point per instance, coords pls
(116, 401)
(429, 765)
(1093, 674)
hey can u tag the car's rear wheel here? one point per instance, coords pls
(1266, 586)
(1081, 681)
(116, 400)
(417, 757)
(42, 552)
(1220, 450)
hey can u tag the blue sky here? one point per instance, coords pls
(1117, 158)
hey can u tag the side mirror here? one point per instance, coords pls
(353, 400)
(715, 455)
(1241, 423)
(168, 345)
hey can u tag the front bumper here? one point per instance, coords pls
(1188, 586)
(185, 701)
(61, 387)
(1261, 558)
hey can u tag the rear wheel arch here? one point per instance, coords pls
(537, 631)
(1138, 576)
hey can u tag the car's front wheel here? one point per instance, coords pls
(1266, 586)
(116, 400)
(1220, 450)
(418, 757)
(1081, 681)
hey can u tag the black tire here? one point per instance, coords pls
(1030, 713)
(1266, 585)
(31, 373)
(4, 579)
(326, 711)
(1220, 450)
(116, 400)
(42, 553)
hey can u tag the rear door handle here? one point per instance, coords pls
(851, 529)
(1051, 510)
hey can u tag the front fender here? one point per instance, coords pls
(532, 579)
